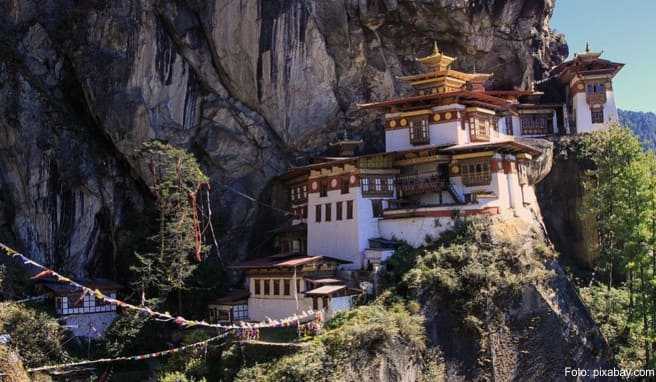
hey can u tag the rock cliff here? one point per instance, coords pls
(249, 86)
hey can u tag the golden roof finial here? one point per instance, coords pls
(436, 50)
(587, 47)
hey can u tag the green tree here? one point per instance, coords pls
(620, 195)
(176, 181)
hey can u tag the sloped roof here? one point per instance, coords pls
(101, 284)
(285, 262)
(508, 145)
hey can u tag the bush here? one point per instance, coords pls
(36, 335)
(178, 377)
(352, 341)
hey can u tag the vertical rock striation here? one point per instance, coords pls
(248, 85)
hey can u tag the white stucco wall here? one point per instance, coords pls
(339, 304)
(259, 309)
(339, 239)
(91, 325)
(414, 230)
(584, 118)
(440, 134)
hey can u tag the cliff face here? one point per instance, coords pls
(247, 85)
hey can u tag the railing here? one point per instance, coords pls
(420, 184)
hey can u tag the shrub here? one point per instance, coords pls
(352, 341)
(36, 335)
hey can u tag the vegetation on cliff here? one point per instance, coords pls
(354, 346)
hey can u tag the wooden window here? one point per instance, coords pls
(536, 124)
(349, 209)
(317, 213)
(476, 172)
(509, 125)
(323, 189)
(339, 206)
(344, 185)
(419, 131)
(364, 183)
(329, 212)
(298, 285)
(240, 312)
(276, 287)
(596, 88)
(315, 303)
(258, 289)
(377, 207)
(597, 115)
(304, 212)
(304, 191)
(286, 287)
(377, 186)
(267, 287)
(479, 128)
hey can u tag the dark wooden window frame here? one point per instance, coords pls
(597, 115)
(349, 209)
(476, 172)
(339, 210)
(329, 212)
(317, 213)
(419, 131)
(536, 124)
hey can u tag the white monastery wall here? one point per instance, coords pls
(584, 117)
(91, 325)
(396, 140)
(261, 308)
(414, 230)
(367, 226)
(339, 239)
(339, 304)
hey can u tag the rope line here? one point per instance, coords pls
(128, 358)
(179, 320)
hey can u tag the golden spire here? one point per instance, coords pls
(587, 47)
(437, 61)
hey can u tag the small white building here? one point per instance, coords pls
(82, 313)
(283, 285)
(588, 84)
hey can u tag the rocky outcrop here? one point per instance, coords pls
(248, 86)
(533, 334)
(561, 199)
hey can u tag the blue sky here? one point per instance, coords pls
(624, 30)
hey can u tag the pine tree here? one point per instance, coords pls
(176, 180)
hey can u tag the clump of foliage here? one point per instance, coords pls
(11, 366)
(350, 344)
(468, 273)
(177, 376)
(621, 197)
(36, 336)
(623, 333)
(177, 179)
(131, 334)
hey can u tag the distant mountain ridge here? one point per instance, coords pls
(643, 124)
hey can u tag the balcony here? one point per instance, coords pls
(421, 184)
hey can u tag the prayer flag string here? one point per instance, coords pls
(129, 358)
(179, 320)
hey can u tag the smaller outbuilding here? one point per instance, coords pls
(82, 313)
